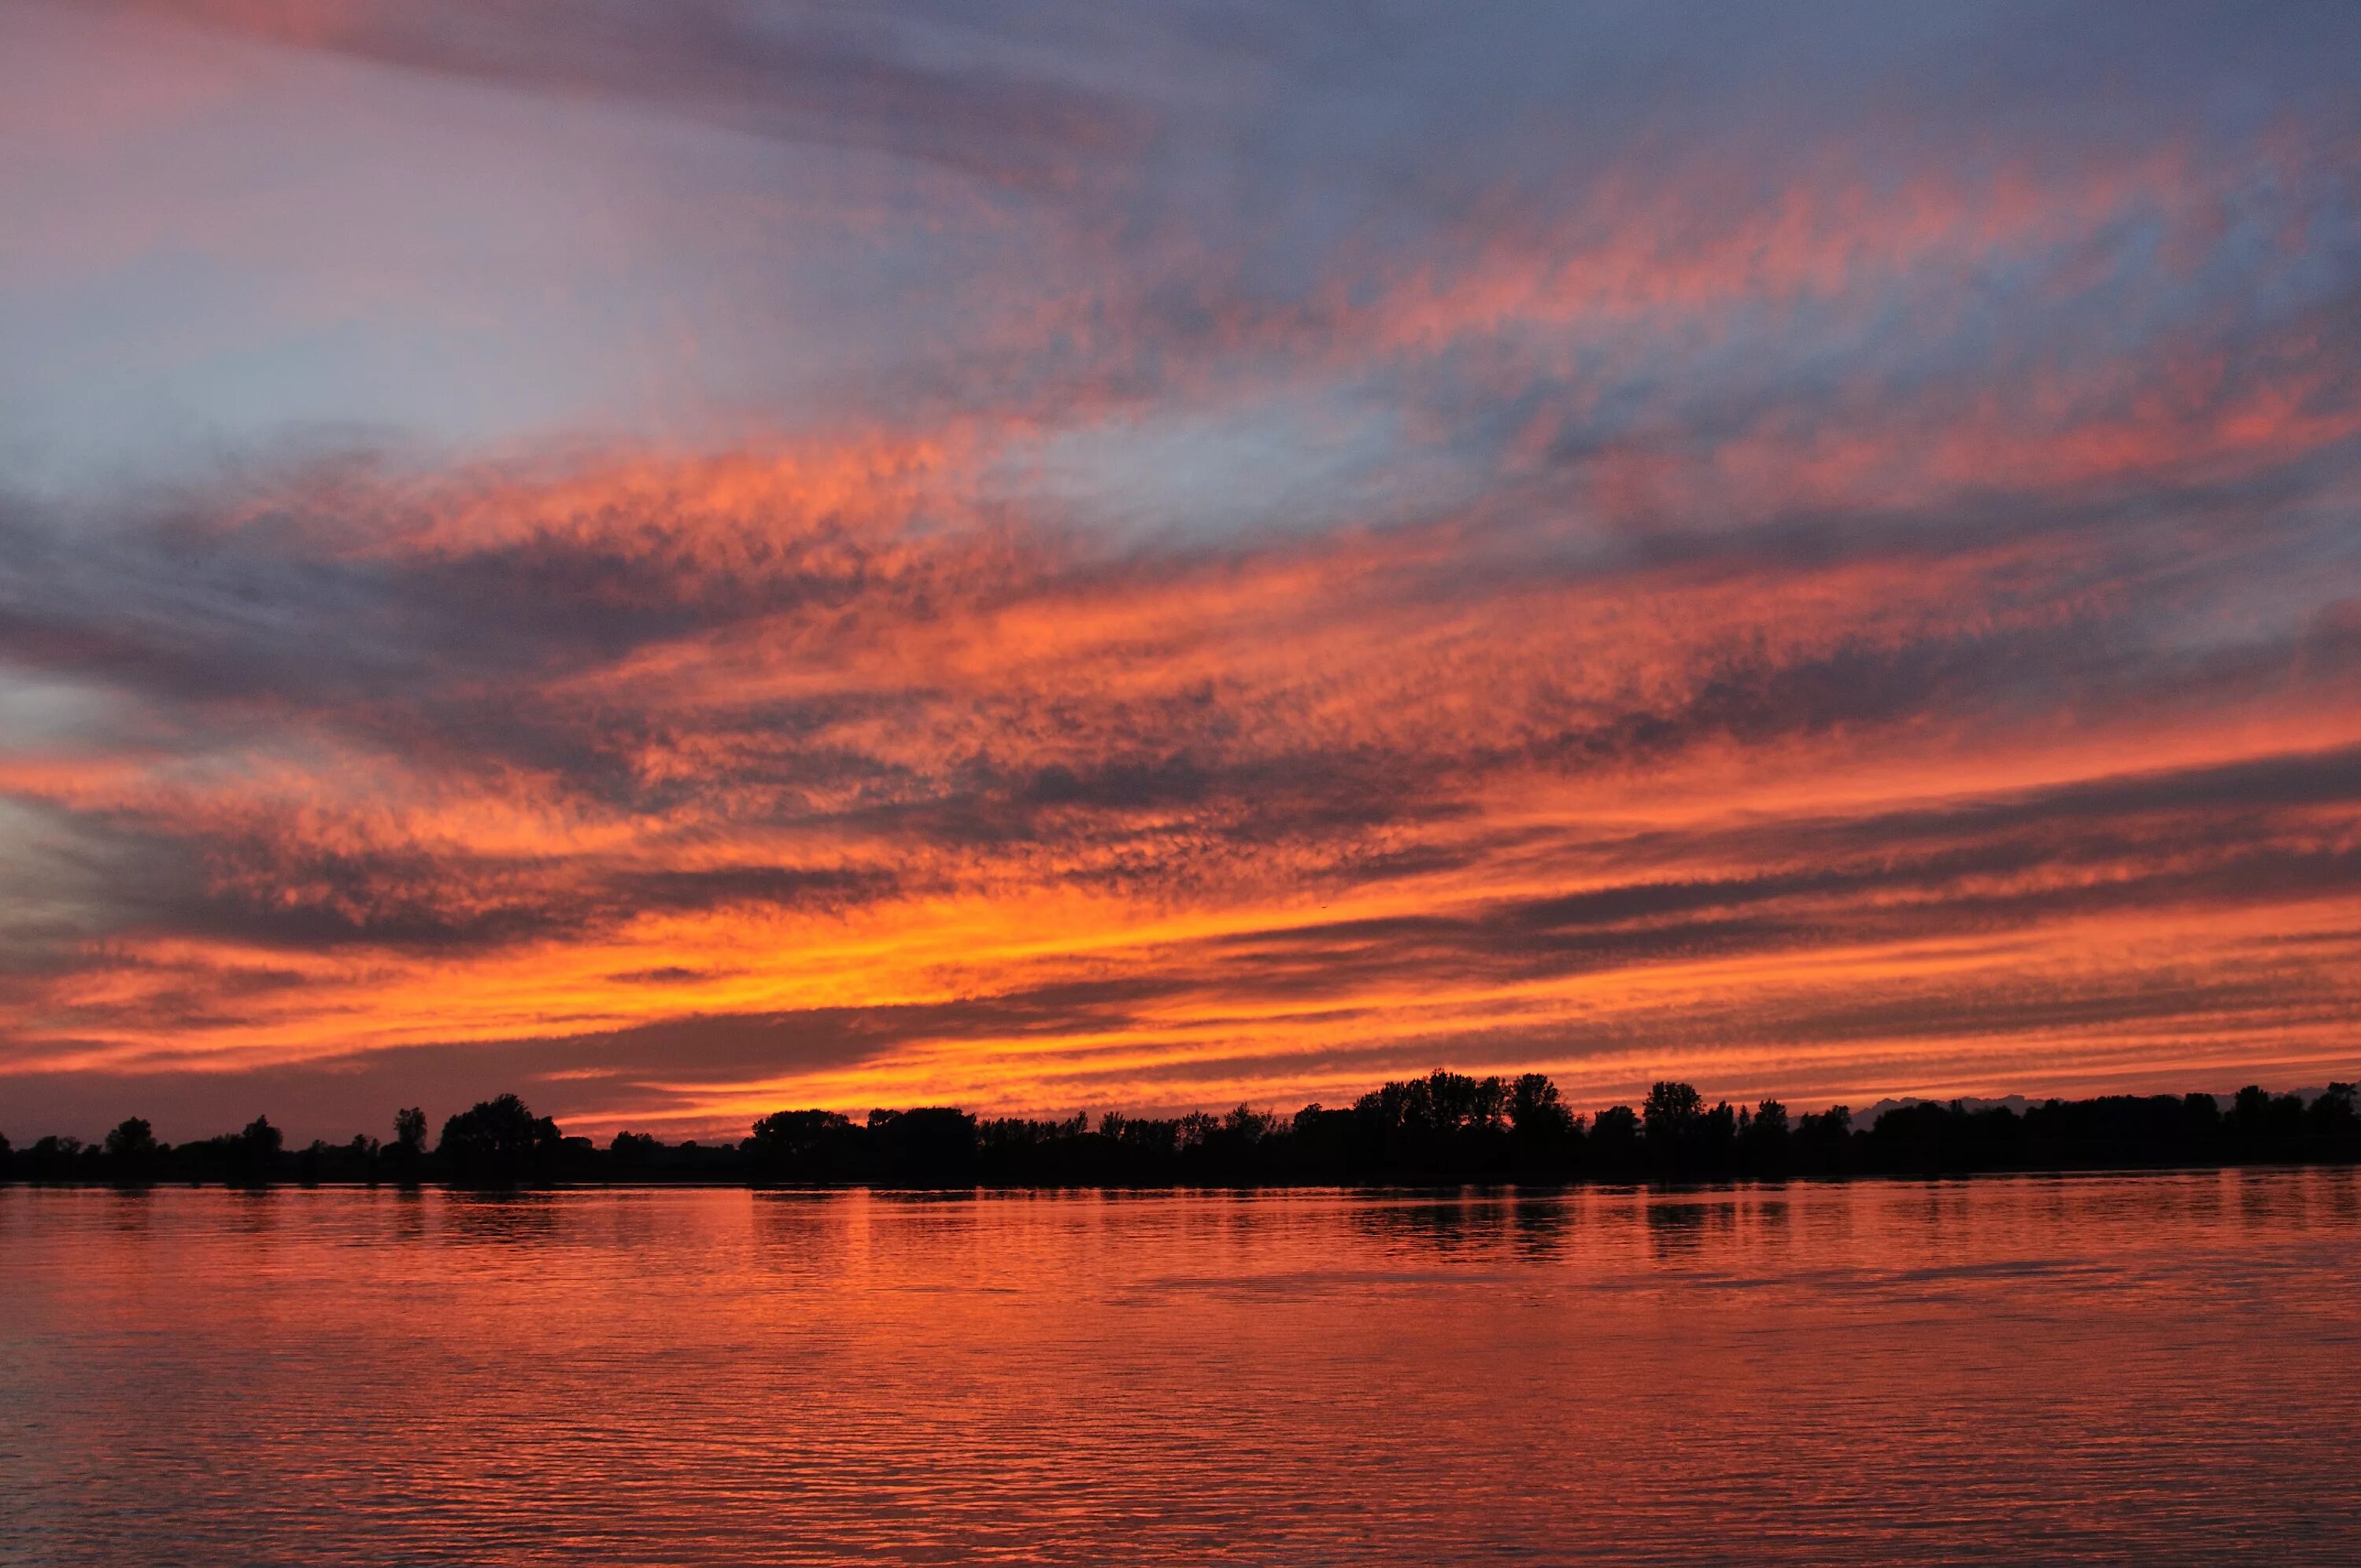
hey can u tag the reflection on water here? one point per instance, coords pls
(2140, 1369)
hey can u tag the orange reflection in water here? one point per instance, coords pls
(2152, 1368)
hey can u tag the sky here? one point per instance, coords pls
(683, 557)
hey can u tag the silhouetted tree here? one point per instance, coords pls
(1235, 1149)
(1823, 1139)
(1442, 1127)
(1536, 1109)
(1669, 1124)
(1671, 1111)
(497, 1143)
(930, 1145)
(132, 1151)
(807, 1145)
(1762, 1141)
(1543, 1134)
(132, 1138)
(2266, 1126)
(1423, 1128)
(405, 1158)
(53, 1157)
(1322, 1144)
(1717, 1137)
(1614, 1140)
(252, 1156)
(1146, 1143)
(634, 1154)
(1248, 1126)
(2335, 1117)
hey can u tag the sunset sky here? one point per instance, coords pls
(689, 557)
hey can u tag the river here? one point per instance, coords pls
(2137, 1369)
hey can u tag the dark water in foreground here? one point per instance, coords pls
(2141, 1369)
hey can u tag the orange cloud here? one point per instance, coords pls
(1066, 825)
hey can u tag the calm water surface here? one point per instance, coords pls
(2142, 1369)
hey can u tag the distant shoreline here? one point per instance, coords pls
(1446, 1130)
(1511, 1188)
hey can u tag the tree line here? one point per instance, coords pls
(1444, 1128)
